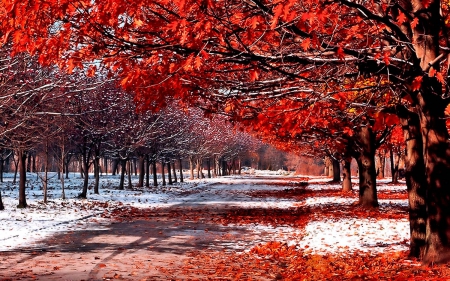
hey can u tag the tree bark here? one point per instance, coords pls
(129, 166)
(365, 158)
(191, 168)
(2, 207)
(336, 170)
(141, 171)
(162, 173)
(436, 152)
(123, 164)
(208, 163)
(346, 176)
(169, 173)
(115, 163)
(181, 170)
(394, 167)
(174, 172)
(155, 177)
(147, 171)
(22, 178)
(96, 173)
(381, 165)
(85, 163)
(415, 181)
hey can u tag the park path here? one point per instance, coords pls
(156, 243)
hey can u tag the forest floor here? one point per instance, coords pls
(254, 227)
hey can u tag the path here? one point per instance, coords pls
(150, 244)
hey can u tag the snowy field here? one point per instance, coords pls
(25, 227)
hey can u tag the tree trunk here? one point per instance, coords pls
(380, 160)
(394, 167)
(29, 162)
(134, 166)
(16, 169)
(415, 181)
(85, 164)
(2, 165)
(174, 172)
(365, 158)
(208, 163)
(191, 168)
(336, 170)
(346, 176)
(169, 173)
(181, 170)
(155, 177)
(239, 167)
(224, 168)
(129, 166)
(147, 171)
(162, 173)
(436, 152)
(96, 174)
(45, 180)
(22, 178)
(141, 171)
(123, 165)
(62, 164)
(2, 207)
(115, 163)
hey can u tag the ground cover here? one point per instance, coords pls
(259, 227)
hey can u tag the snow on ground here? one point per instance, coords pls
(23, 227)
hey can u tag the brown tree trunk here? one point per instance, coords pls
(162, 173)
(365, 158)
(381, 165)
(115, 164)
(129, 165)
(96, 173)
(174, 172)
(123, 164)
(85, 164)
(16, 169)
(22, 178)
(181, 170)
(336, 170)
(155, 177)
(436, 151)
(208, 163)
(394, 167)
(169, 173)
(2, 167)
(415, 181)
(147, 170)
(346, 176)
(141, 171)
(2, 207)
(191, 168)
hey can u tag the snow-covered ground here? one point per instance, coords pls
(25, 227)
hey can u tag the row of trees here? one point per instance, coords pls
(338, 73)
(60, 118)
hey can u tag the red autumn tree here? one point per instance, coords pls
(185, 47)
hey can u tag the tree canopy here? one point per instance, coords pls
(339, 55)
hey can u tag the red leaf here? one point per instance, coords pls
(426, 3)
(305, 44)
(340, 53)
(276, 15)
(414, 23)
(417, 82)
(401, 18)
(440, 77)
(432, 72)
